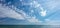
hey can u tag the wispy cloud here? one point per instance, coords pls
(51, 4)
(53, 22)
(5, 11)
(8, 12)
(34, 20)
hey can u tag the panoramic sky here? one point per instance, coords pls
(30, 12)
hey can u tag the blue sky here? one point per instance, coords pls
(30, 12)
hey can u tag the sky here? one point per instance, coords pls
(30, 12)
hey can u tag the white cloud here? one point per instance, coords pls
(7, 12)
(34, 20)
(43, 13)
(51, 4)
(35, 4)
(53, 22)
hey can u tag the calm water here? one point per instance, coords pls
(29, 26)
